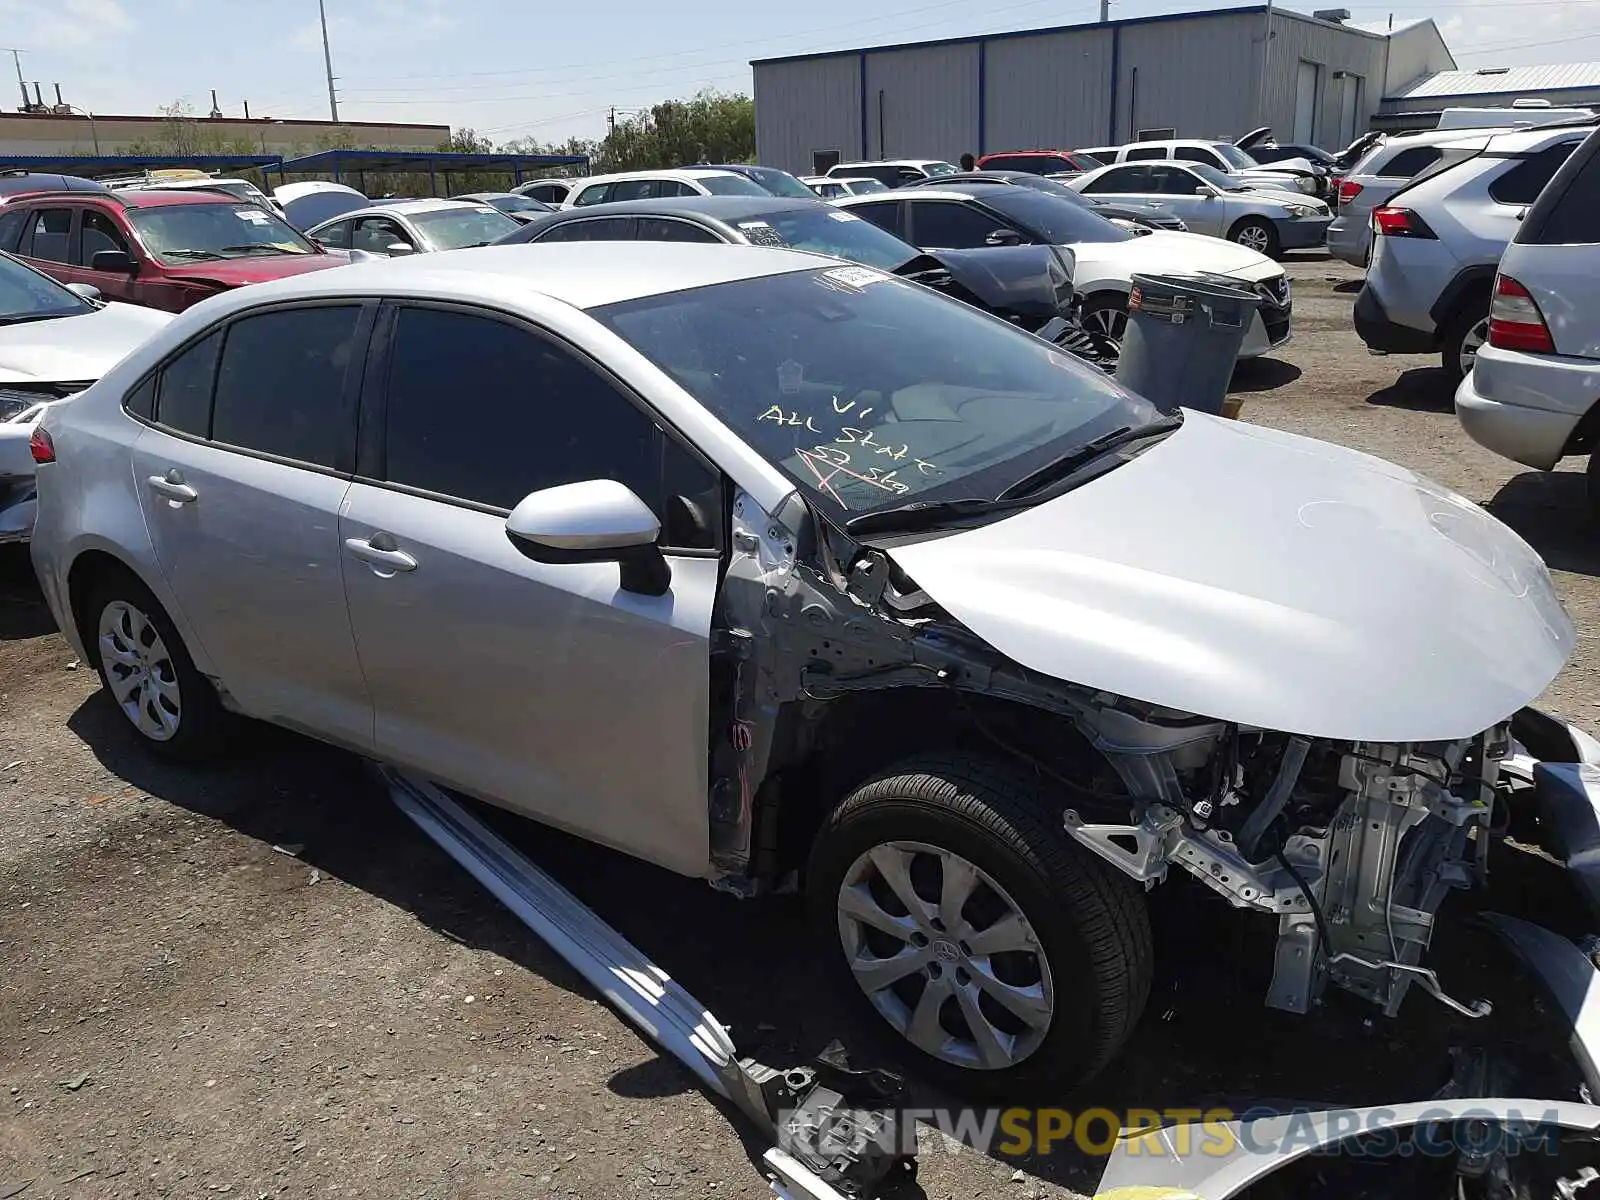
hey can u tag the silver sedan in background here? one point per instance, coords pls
(415, 227)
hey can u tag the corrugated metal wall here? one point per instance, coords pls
(1414, 51)
(1196, 77)
(923, 103)
(1332, 49)
(807, 106)
(1052, 91)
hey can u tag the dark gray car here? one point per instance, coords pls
(1148, 214)
(1028, 285)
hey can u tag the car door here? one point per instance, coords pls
(954, 225)
(241, 474)
(98, 233)
(376, 235)
(544, 687)
(1185, 194)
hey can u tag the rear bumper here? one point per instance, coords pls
(1531, 436)
(1302, 233)
(1350, 240)
(1375, 327)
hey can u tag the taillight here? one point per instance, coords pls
(1349, 189)
(1400, 222)
(41, 447)
(1515, 322)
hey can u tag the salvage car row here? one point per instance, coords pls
(879, 588)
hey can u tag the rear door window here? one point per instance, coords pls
(1123, 181)
(668, 229)
(281, 385)
(11, 226)
(596, 229)
(950, 224)
(1526, 179)
(634, 189)
(183, 398)
(1139, 154)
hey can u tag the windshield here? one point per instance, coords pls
(28, 295)
(1235, 157)
(828, 230)
(732, 185)
(935, 169)
(781, 183)
(1087, 161)
(861, 187)
(1216, 178)
(870, 391)
(1052, 219)
(316, 207)
(511, 204)
(183, 233)
(454, 228)
(1051, 187)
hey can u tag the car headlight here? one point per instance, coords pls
(1306, 184)
(1298, 210)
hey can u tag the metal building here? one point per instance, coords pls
(1202, 74)
(1417, 104)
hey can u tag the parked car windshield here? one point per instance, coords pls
(938, 168)
(822, 229)
(514, 203)
(182, 233)
(454, 228)
(870, 391)
(781, 183)
(862, 186)
(731, 185)
(1052, 219)
(1218, 179)
(1235, 157)
(1087, 161)
(29, 295)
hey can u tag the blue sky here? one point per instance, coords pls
(512, 68)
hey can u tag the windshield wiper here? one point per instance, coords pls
(189, 254)
(1062, 467)
(24, 318)
(925, 514)
(253, 247)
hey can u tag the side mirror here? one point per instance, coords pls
(118, 262)
(1210, 190)
(599, 520)
(399, 248)
(87, 291)
(1003, 237)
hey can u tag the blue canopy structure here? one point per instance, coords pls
(339, 163)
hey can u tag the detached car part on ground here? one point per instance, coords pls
(901, 600)
(54, 342)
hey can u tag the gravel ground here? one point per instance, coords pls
(257, 979)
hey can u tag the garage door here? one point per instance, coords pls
(1305, 102)
(1349, 105)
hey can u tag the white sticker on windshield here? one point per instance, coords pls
(857, 277)
(844, 216)
(754, 225)
(253, 215)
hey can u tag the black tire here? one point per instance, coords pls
(1470, 315)
(1257, 234)
(1088, 921)
(203, 726)
(1592, 486)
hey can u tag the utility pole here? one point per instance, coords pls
(1105, 11)
(327, 62)
(1266, 59)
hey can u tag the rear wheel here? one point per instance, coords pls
(148, 672)
(1255, 234)
(1464, 336)
(1592, 483)
(959, 915)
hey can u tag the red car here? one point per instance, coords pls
(1039, 162)
(161, 249)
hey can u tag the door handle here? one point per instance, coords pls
(380, 556)
(172, 486)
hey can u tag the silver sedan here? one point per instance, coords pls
(414, 226)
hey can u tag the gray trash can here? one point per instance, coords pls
(1183, 337)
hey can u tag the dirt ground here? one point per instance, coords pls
(257, 979)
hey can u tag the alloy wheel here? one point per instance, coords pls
(1107, 326)
(1471, 343)
(1254, 237)
(945, 955)
(139, 671)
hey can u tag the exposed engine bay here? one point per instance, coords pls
(1350, 846)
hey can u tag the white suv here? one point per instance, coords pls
(1437, 244)
(652, 185)
(1534, 392)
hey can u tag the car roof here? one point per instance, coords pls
(406, 208)
(674, 173)
(969, 191)
(286, 192)
(584, 275)
(719, 208)
(886, 162)
(485, 197)
(1042, 150)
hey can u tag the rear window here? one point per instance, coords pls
(1406, 163)
(731, 185)
(1568, 211)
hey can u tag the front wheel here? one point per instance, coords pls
(1105, 319)
(1255, 234)
(960, 915)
